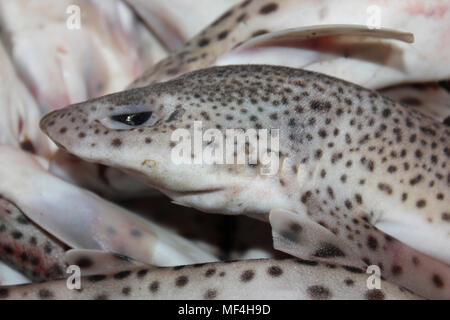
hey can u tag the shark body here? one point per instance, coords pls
(356, 169)
(251, 279)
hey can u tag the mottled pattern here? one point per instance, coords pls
(351, 158)
(251, 279)
(378, 63)
(227, 31)
(27, 248)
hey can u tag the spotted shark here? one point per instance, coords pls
(357, 171)
(28, 249)
(251, 279)
(249, 32)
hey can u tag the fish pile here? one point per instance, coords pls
(99, 199)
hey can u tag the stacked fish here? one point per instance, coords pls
(357, 208)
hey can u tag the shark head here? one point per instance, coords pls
(176, 135)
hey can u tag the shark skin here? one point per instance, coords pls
(379, 63)
(291, 279)
(28, 249)
(353, 163)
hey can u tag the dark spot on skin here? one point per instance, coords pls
(48, 247)
(116, 143)
(353, 269)
(374, 294)
(203, 42)
(396, 270)
(96, 278)
(154, 286)
(177, 114)
(275, 271)
(320, 105)
(328, 250)
(421, 203)
(247, 275)
(22, 220)
(349, 282)
(210, 294)
(372, 243)
(386, 113)
(437, 281)
(16, 234)
(222, 35)
(416, 180)
(122, 275)
(268, 8)
(445, 216)
(4, 293)
(45, 294)
(428, 131)
(319, 292)
(126, 291)
(241, 18)
(142, 273)
(210, 272)
(305, 197)
(84, 262)
(181, 281)
(28, 146)
(24, 256)
(385, 187)
(447, 121)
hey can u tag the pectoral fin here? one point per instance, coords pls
(296, 234)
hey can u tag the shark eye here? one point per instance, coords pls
(132, 119)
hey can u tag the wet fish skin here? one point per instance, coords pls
(250, 279)
(26, 248)
(354, 164)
